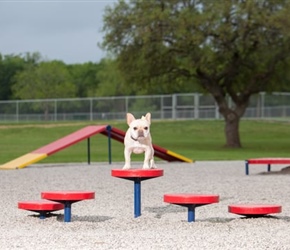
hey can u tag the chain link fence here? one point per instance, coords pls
(176, 106)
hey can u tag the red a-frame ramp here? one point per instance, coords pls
(80, 135)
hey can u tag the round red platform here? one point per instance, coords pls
(67, 195)
(191, 198)
(254, 209)
(40, 205)
(135, 173)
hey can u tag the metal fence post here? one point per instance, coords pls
(262, 104)
(174, 105)
(55, 109)
(196, 105)
(91, 109)
(161, 107)
(17, 111)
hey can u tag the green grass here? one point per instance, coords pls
(197, 140)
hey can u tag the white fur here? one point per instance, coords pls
(138, 140)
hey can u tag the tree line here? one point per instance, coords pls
(29, 76)
(226, 48)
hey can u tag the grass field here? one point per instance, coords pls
(197, 140)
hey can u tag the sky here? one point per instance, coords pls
(64, 30)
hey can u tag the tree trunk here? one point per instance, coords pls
(232, 133)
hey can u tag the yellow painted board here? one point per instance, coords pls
(185, 159)
(23, 161)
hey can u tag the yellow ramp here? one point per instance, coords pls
(185, 159)
(23, 161)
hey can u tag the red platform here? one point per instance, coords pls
(137, 173)
(254, 209)
(67, 195)
(191, 198)
(191, 201)
(41, 206)
(67, 198)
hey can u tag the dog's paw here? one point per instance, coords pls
(146, 166)
(126, 167)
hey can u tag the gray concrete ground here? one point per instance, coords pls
(108, 222)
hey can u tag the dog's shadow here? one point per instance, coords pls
(60, 217)
(160, 211)
(86, 218)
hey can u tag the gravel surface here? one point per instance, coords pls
(108, 222)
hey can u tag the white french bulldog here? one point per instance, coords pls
(138, 140)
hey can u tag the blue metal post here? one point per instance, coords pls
(269, 167)
(42, 215)
(109, 128)
(191, 213)
(247, 167)
(89, 150)
(137, 198)
(67, 211)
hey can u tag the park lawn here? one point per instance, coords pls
(194, 139)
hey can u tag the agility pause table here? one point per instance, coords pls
(137, 176)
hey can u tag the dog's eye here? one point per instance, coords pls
(146, 128)
(135, 128)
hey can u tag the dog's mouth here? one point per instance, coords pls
(138, 137)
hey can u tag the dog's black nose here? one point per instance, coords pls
(141, 133)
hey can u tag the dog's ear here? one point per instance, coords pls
(148, 117)
(130, 118)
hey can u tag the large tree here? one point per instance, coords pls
(234, 48)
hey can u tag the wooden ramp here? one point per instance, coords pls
(78, 136)
(23, 161)
(53, 147)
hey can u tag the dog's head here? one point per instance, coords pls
(139, 128)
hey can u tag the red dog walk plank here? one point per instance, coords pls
(70, 139)
(80, 135)
(254, 209)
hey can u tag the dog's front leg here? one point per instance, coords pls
(127, 154)
(147, 159)
(152, 163)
